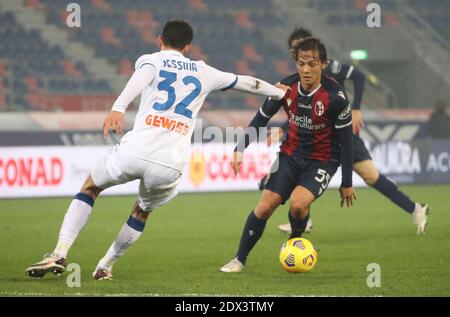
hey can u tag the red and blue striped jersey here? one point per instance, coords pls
(315, 119)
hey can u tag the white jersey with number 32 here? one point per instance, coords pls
(169, 106)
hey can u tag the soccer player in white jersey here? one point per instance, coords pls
(173, 89)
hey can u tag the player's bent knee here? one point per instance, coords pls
(299, 208)
(267, 205)
(90, 188)
(139, 213)
(370, 178)
(264, 209)
(367, 171)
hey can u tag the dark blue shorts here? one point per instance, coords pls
(288, 172)
(360, 152)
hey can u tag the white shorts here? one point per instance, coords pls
(158, 183)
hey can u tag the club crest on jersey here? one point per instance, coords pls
(319, 108)
(289, 101)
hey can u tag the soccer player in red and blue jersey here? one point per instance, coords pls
(362, 161)
(319, 139)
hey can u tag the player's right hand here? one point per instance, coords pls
(357, 122)
(236, 161)
(274, 135)
(114, 121)
(348, 194)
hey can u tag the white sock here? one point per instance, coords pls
(76, 217)
(417, 208)
(129, 234)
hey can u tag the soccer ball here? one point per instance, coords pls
(298, 255)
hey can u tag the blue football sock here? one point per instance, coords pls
(253, 230)
(390, 190)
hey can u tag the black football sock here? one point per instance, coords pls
(253, 230)
(390, 190)
(298, 226)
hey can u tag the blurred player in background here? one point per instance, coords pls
(319, 139)
(173, 89)
(439, 122)
(362, 161)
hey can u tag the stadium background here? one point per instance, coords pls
(56, 84)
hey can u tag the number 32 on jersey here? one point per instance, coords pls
(166, 85)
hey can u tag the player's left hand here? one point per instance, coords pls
(114, 121)
(357, 122)
(236, 161)
(348, 194)
(274, 135)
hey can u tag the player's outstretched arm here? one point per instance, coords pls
(260, 87)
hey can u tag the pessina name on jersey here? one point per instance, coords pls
(180, 65)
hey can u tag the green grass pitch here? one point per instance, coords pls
(187, 241)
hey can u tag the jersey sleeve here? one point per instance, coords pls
(339, 71)
(140, 79)
(342, 110)
(270, 107)
(147, 59)
(219, 80)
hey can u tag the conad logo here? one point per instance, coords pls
(31, 171)
(197, 168)
(216, 167)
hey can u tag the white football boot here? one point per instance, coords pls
(234, 266)
(420, 217)
(50, 263)
(286, 227)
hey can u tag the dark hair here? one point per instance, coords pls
(440, 105)
(177, 34)
(298, 33)
(311, 44)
